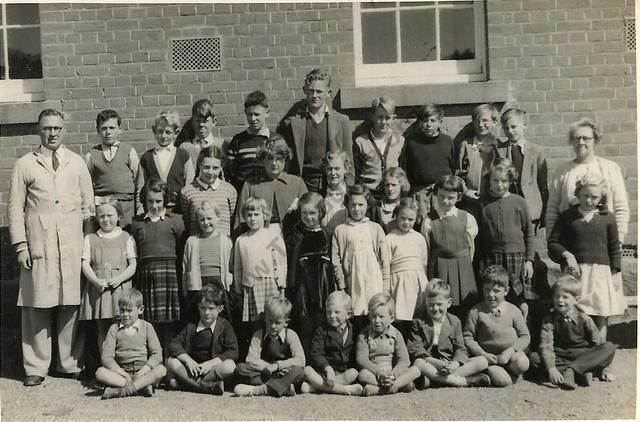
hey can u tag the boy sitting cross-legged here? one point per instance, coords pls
(381, 352)
(333, 351)
(571, 346)
(202, 355)
(496, 330)
(275, 362)
(437, 346)
(131, 352)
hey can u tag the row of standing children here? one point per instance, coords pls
(351, 261)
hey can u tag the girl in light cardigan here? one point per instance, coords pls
(206, 260)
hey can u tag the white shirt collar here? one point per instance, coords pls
(168, 148)
(46, 152)
(213, 185)
(157, 217)
(282, 334)
(201, 326)
(453, 212)
(111, 235)
(135, 325)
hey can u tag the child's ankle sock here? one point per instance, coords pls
(371, 390)
(306, 388)
(352, 390)
(479, 380)
(110, 393)
(147, 391)
(407, 388)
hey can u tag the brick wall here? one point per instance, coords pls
(563, 59)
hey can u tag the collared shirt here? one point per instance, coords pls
(47, 154)
(471, 226)
(286, 336)
(208, 186)
(498, 310)
(130, 329)
(437, 328)
(157, 217)
(202, 327)
(204, 142)
(587, 216)
(318, 117)
(164, 157)
(109, 153)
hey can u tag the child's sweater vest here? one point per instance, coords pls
(112, 177)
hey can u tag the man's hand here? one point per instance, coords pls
(24, 258)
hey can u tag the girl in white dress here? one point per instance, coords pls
(408, 256)
(359, 255)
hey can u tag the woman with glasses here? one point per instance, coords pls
(584, 136)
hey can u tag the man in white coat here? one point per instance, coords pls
(51, 194)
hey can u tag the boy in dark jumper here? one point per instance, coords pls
(203, 355)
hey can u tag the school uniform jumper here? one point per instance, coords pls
(573, 341)
(333, 348)
(285, 349)
(156, 275)
(372, 157)
(593, 239)
(220, 193)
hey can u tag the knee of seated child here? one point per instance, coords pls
(160, 371)
(174, 364)
(499, 376)
(227, 367)
(479, 362)
(519, 363)
(350, 373)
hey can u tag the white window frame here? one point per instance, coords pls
(17, 90)
(428, 72)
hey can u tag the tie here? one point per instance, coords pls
(54, 161)
(506, 145)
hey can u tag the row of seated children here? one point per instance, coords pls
(489, 351)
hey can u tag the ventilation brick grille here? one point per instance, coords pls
(630, 33)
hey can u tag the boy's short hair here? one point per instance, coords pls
(317, 74)
(504, 165)
(495, 274)
(401, 175)
(155, 184)
(202, 108)
(314, 199)
(385, 103)
(481, 109)
(569, 284)
(513, 112)
(212, 151)
(276, 146)
(49, 112)
(437, 287)
(382, 299)
(425, 111)
(256, 204)
(169, 118)
(337, 155)
(115, 204)
(105, 115)
(358, 190)
(450, 183)
(211, 295)
(205, 206)
(256, 98)
(341, 298)
(278, 306)
(131, 297)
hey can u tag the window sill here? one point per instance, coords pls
(27, 112)
(410, 95)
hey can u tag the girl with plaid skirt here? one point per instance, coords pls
(506, 232)
(259, 266)
(158, 235)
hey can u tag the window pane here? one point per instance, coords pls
(24, 53)
(456, 44)
(377, 4)
(416, 3)
(2, 69)
(417, 29)
(22, 14)
(378, 38)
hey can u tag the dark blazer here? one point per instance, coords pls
(294, 128)
(327, 349)
(450, 343)
(223, 346)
